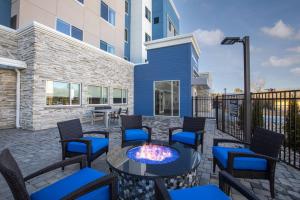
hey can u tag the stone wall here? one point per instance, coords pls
(8, 49)
(53, 56)
(7, 99)
(8, 43)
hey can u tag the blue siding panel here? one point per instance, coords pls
(5, 12)
(163, 9)
(168, 63)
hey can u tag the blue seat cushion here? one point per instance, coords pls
(135, 134)
(97, 144)
(70, 183)
(207, 192)
(185, 137)
(242, 163)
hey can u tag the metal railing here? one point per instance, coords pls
(278, 111)
(204, 107)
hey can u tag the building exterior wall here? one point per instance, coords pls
(165, 10)
(7, 98)
(5, 9)
(49, 55)
(86, 17)
(139, 26)
(168, 63)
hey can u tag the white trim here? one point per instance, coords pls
(175, 9)
(64, 37)
(18, 101)
(8, 63)
(10, 30)
(179, 100)
(172, 41)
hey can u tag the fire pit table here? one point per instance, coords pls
(139, 164)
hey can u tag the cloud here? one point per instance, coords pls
(209, 38)
(294, 49)
(281, 30)
(282, 62)
(254, 49)
(295, 71)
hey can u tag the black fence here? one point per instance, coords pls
(278, 111)
(204, 107)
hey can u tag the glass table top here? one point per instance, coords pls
(188, 159)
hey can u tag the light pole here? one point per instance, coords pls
(247, 92)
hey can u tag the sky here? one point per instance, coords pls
(274, 30)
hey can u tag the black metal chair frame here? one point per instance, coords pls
(226, 181)
(71, 131)
(191, 124)
(133, 122)
(266, 145)
(16, 182)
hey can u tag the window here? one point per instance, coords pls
(107, 47)
(107, 13)
(61, 93)
(156, 20)
(170, 26)
(76, 33)
(147, 37)
(126, 34)
(67, 29)
(125, 58)
(80, 1)
(13, 22)
(166, 98)
(97, 95)
(148, 14)
(126, 7)
(120, 96)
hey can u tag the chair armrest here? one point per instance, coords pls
(148, 129)
(198, 134)
(174, 129)
(226, 179)
(87, 142)
(110, 180)
(78, 159)
(105, 133)
(217, 141)
(161, 191)
(232, 155)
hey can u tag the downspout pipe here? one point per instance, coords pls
(18, 88)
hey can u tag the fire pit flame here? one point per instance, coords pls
(153, 152)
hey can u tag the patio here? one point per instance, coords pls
(34, 150)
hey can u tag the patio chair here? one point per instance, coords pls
(115, 115)
(207, 192)
(256, 162)
(132, 129)
(125, 111)
(75, 143)
(192, 132)
(85, 183)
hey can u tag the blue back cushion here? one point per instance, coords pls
(97, 144)
(185, 137)
(243, 163)
(135, 134)
(208, 192)
(69, 184)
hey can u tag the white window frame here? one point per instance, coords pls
(70, 101)
(108, 11)
(121, 96)
(101, 95)
(179, 100)
(82, 4)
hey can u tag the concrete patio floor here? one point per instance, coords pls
(34, 150)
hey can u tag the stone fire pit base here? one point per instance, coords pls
(136, 188)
